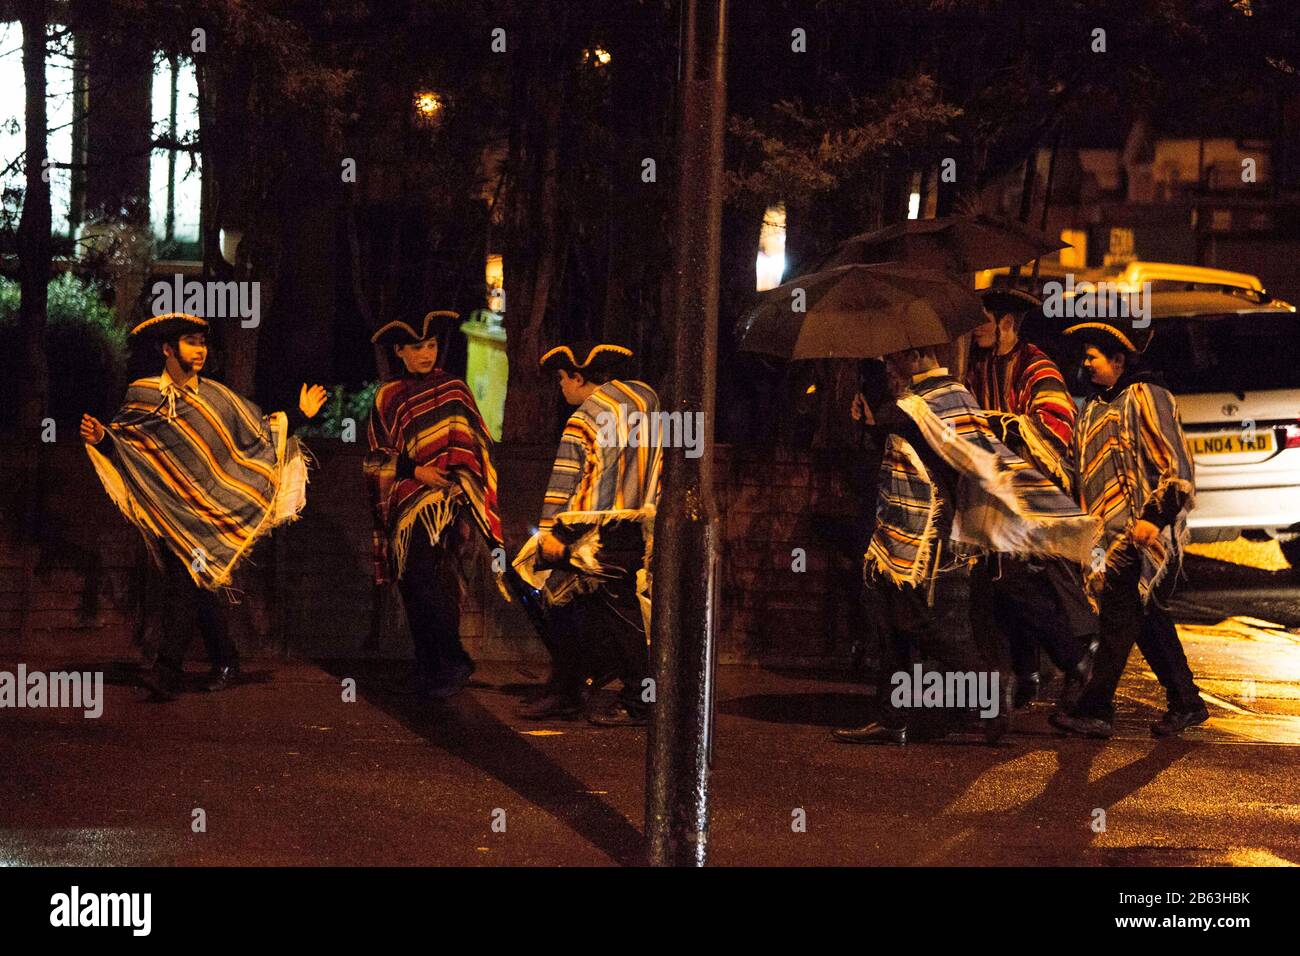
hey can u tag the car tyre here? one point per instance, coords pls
(1291, 551)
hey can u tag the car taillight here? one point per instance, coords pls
(1292, 436)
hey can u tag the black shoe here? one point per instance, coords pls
(1093, 727)
(998, 726)
(1174, 722)
(601, 680)
(1077, 678)
(552, 705)
(1026, 691)
(219, 678)
(618, 714)
(1071, 693)
(452, 684)
(532, 693)
(162, 684)
(872, 733)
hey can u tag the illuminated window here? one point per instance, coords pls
(175, 173)
(13, 112)
(1077, 257)
(495, 278)
(771, 248)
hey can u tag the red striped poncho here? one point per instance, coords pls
(1026, 386)
(432, 420)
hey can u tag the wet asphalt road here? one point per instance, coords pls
(286, 772)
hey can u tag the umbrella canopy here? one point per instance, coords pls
(951, 243)
(859, 311)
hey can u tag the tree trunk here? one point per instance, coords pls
(533, 232)
(33, 273)
(34, 227)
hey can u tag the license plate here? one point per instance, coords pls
(1233, 443)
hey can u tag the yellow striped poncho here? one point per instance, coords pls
(1003, 504)
(1131, 452)
(606, 469)
(202, 471)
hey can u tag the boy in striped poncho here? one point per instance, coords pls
(431, 476)
(1018, 604)
(949, 490)
(203, 474)
(1135, 473)
(591, 552)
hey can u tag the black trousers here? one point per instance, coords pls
(939, 636)
(601, 632)
(1017, 607)
(188, 607)
(430, 589)
(1124, 622)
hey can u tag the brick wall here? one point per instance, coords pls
(306, 590)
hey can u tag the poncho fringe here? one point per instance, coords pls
(584, 555)
(150, 453)
(1020, 531)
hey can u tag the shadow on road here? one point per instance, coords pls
(466, 730)
(1068, 786)
(818, 709)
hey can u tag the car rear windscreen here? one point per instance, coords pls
(1233, 353)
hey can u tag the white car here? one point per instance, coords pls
(1231, 354)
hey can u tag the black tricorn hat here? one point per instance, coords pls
(1014, 301)
(398, 332)
(1121, 330)
(585, 356)
(170, 324)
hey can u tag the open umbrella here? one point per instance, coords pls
(951, 243)
(859, 311)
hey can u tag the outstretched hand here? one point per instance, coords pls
(311, 398)
(552, 548)
(433, 476)
(861, 411)
(92, 432)
(1145, 534)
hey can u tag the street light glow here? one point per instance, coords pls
(428, 104)
(770, 265)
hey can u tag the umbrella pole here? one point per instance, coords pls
(1026, 204)
(1047, 201)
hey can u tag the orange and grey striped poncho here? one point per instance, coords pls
(1132, 459)
(1025, 386)
(201, 471)
(429, 420)
(1003, 504)
(606, 469)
